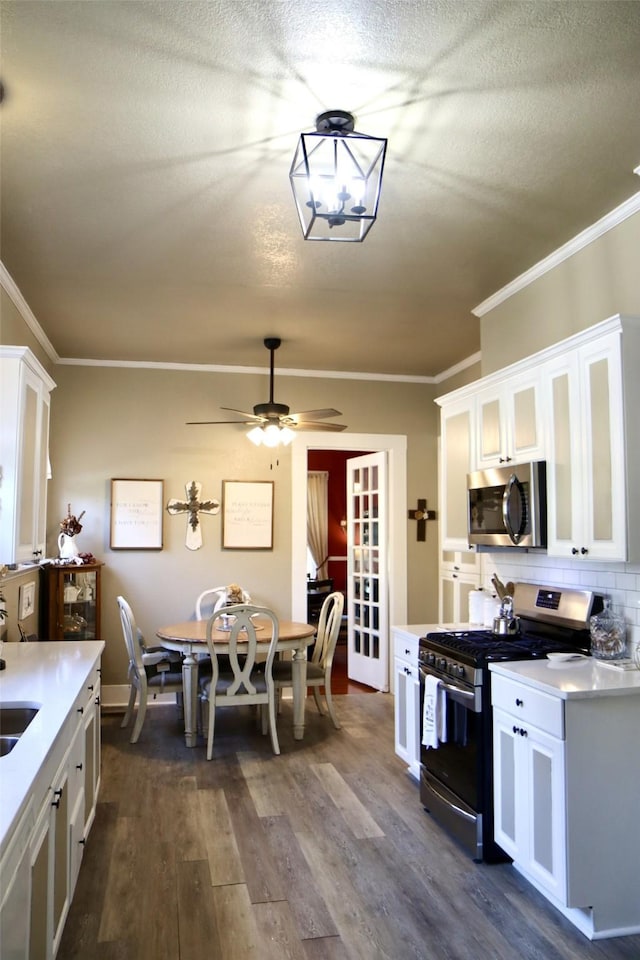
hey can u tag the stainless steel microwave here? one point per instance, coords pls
(507, 506)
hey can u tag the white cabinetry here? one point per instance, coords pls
(457, 455)
(593, 400)
(566, 767)
(37, 888)
(25, 387)
(509, 421)
(407, 699)
(528, 744)
(459, 575)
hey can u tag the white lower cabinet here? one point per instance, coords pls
(529, 798)
(51, 836)
(407, 700)
(566, 772)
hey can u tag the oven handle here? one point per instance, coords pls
(452, 806)
(450, 688)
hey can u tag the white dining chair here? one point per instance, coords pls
(321, 661)
(239, 679)
(150, 670)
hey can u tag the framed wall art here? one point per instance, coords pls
(136, 514)
(247, 515)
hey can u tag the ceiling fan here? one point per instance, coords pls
(272, 422)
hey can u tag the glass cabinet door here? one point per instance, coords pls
(79, 604)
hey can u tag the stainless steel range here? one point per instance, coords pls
(456, 778)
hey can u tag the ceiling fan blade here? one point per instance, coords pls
(315, 425)
(315, 414)
(243, 413)
(195, 423)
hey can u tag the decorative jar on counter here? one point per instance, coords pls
(608, 634)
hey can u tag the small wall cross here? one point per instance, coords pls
(193, 506)
(421, 514)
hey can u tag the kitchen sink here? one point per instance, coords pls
(14, 720)
(7, 744)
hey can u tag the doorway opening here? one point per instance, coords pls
(395, 447)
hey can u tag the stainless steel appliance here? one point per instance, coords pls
(507, 506)
(456, 778)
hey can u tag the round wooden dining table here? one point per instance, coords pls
(190, 639)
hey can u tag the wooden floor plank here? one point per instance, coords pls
(356, 816)
(240, 938)
(198, 923)
(225, 863)
(278, 935)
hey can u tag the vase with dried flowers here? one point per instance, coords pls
(70, 527)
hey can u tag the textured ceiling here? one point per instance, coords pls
(146, 206)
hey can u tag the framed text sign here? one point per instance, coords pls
(136, 514)
(247, 515)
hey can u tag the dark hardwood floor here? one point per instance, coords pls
(322, 853)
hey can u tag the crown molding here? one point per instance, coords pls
(582, 240)
(9, 285)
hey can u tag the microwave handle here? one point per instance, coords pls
(511, 484)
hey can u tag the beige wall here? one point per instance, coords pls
(601, 280)
(110, 422)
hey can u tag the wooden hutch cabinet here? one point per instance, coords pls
(70, 607)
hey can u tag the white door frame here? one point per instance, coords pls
(396, 447)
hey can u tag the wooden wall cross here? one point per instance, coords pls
(421, 514)
(193, 506)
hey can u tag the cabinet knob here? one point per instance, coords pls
(574, 550)
(57, 794)
(407, 652)
(583, 551)
(519, 702)
(97, 701)
(78, 766)
(407, 670)
(90, 687)
(80, 710)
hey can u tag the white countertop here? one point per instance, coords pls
(573, 679)
(48, 675)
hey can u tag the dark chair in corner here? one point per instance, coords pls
(317, 593)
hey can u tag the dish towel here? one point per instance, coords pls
(434, 713)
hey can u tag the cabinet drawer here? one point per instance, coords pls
(528, 705)
(405, 647)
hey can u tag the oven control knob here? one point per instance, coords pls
(431, 658)
(442, 664)
(459, 670)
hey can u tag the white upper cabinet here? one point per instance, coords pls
(593, 402)
(575, 405)
(509, 422)
(25, 389)
(457, 456)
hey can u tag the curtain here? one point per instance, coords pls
(317, 520)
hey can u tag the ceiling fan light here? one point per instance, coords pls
(330, 167)
(286, 436)
(271, 435)
(255, 435)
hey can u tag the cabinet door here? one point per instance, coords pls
(509, 422)
(401, 703)
(529, 800)
(586, 475)
(454, 595)
(457, 454)
(91, 756)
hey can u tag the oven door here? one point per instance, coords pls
(451, 775)
(456, 763)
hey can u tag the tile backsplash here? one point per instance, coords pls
(619, 581)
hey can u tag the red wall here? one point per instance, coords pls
(334, 462)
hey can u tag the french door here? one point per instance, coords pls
(367, 575)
